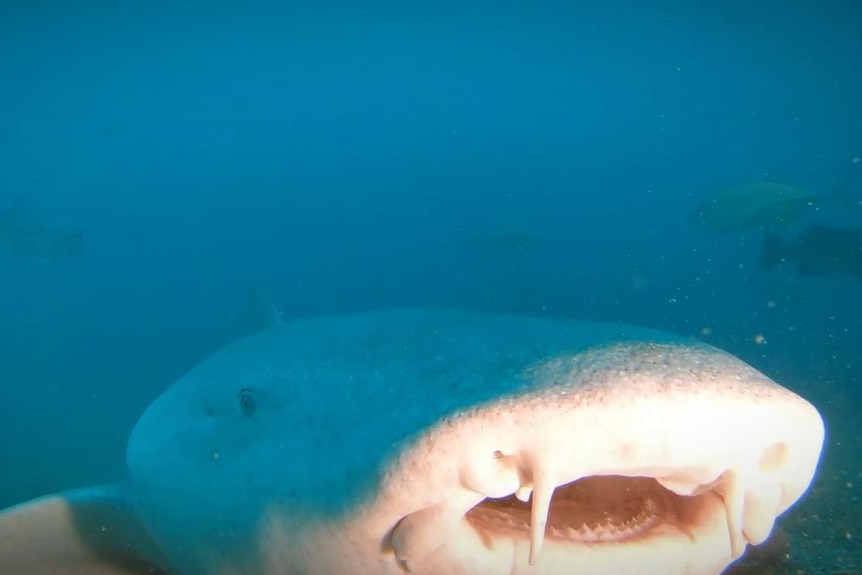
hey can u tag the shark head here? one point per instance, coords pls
(440, 441)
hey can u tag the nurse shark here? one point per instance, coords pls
(441, 442)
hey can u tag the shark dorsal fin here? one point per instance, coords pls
(264, 312)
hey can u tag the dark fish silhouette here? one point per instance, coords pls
(817, 251)
(22, 233)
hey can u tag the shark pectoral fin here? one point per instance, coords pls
(91, 531)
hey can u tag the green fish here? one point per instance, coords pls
(764, 205)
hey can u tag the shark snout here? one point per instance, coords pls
(635, 451)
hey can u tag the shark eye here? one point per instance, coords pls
(247, 402)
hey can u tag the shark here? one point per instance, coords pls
(439, 441)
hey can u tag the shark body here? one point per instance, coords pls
(439, 442)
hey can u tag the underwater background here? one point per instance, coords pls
(539, 158)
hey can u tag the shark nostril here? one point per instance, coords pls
(494, 477)
(773, 457)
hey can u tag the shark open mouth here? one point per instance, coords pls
(591, 510)
(632, 515)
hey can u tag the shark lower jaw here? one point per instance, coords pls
(599, 524)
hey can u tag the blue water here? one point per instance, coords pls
(347, 156)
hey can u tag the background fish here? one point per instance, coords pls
(22, 233)
(817, 251)
(767, 205)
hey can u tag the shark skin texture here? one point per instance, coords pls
(440, 442)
